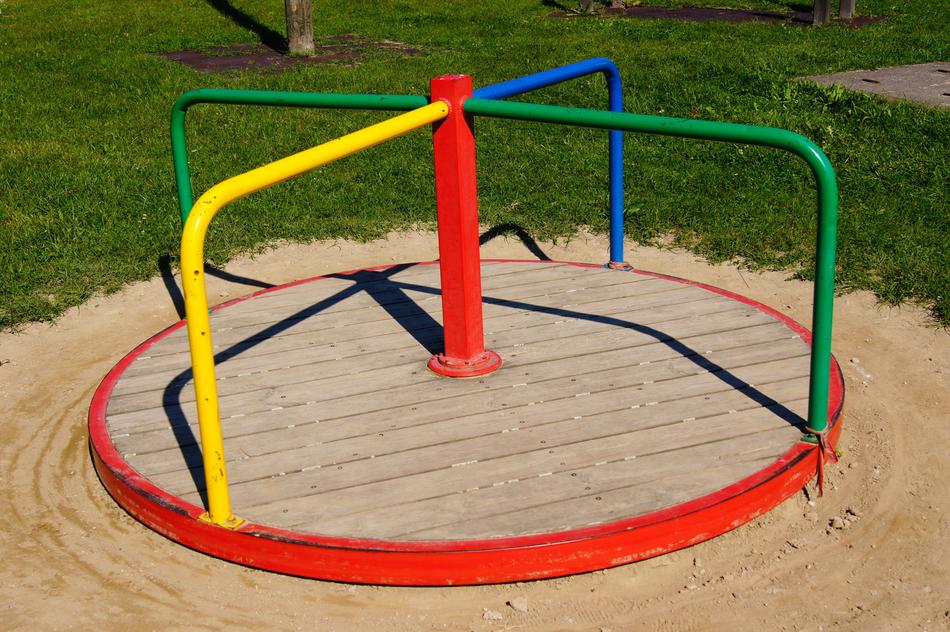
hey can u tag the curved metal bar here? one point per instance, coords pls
(389, 102)
(826, 181)
(193, 282)
(561, 74)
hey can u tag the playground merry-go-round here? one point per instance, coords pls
(467, 421)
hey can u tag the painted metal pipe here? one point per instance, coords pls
(193, 282)
(827, 188)
(393, 102)
(456, 198)
(553, 76)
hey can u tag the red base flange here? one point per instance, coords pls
(483, 363)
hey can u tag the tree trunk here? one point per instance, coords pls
(822, 13)
(299, 26)
(846, 9)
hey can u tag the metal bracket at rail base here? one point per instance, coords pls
(623, 266)
(825, 452)
(230, 524)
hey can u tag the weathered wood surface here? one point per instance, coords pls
(621, 394)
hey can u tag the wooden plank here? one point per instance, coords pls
(597, 345)
(363, 306)
(443, 457)
(360, 306)
(304, 318)
(161, 411)
(509, 407)
(340, 339)
(280, 436)
(650, 454)
(605, 506)
(547, 503)
(285, 446)
(496, 275)
(515, 330)
(659, 363)
(350, 356)
(301, 317)
(158, 417)
(329, 284)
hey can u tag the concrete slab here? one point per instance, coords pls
(923, 83)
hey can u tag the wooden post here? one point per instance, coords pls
(822, 13)
(846, 9)
(299, 15)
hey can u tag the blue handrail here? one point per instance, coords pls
(560, 74)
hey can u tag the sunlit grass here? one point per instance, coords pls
(87, 200)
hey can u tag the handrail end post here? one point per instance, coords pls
(180, 155)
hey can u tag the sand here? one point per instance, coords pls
(872, 554)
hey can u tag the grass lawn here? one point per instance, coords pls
(87, 194)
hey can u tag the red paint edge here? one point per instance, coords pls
(458, 562)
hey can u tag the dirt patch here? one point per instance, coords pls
(347, 49)
(872, 554)
(710, 14)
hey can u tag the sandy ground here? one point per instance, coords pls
(71, 558)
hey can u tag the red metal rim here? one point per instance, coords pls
(458, 562)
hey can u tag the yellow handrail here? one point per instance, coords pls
(193, 282)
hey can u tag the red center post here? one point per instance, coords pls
(456, 196)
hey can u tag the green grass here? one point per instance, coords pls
(87, 197)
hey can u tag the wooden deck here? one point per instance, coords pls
(621, 394)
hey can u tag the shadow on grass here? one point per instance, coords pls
(268, 36)
(554, 4)
(517, 231)
(799, 7)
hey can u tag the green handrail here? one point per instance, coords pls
(827, 185)
(389, 102)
